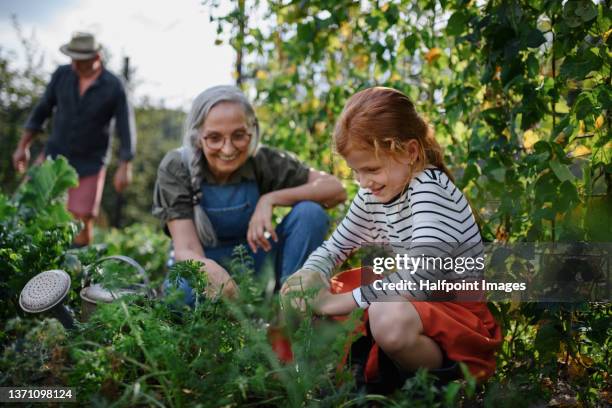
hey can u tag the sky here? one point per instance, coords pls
(170, 42)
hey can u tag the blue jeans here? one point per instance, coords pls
(299, 234)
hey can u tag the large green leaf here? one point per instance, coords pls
(577, 12)
(47, 184)
(568, 197)
(585, 105)
(562, 171)
(548, 338)
(532, 37)
(457, 23)
(580, 65)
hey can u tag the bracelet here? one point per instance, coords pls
(363, 304)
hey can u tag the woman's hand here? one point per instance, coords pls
(261, 225)
(187, 246)
(219, 280)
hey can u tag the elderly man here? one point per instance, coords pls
(83, 98)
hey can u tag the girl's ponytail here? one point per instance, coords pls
(432, 151)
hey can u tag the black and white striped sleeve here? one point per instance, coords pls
(355, 229)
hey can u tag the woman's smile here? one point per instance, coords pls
(227, 158)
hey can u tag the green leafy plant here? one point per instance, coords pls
(35, 229)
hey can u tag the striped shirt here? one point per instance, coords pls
(432, 218)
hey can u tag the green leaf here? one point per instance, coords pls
(411, 43)
(533, 38)
(472, 171)
(306, 33)
(390, 42)
(577, 12)
(48, 182)
(513, 69)
(450, 396)
(584, 105)
(586, 10)
(372, 21)
(392, 14)
(543, 148)
(533, 66)
(568, 197)
(546, 187)
(604, 96)
(495, 118)
(457, 23)
(498, 174)
(544, 214)
(7, 209)
(548, 339)
(580, 65)
(562, 171)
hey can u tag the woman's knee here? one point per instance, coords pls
(395, 325)
(186, 296)
(311, 214)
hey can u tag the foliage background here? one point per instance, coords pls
(518, 92)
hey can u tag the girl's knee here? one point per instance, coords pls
(395, 325)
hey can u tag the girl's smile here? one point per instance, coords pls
(377, 191)
(385, 179)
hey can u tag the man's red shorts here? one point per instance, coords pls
(84, 200)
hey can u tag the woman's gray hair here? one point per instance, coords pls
(200, 108)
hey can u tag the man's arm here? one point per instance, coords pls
(34, 125)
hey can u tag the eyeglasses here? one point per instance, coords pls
(240, 140)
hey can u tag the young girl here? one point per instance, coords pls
(406, 196)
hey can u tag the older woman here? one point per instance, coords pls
(219, 190)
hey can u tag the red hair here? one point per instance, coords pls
(383, 119)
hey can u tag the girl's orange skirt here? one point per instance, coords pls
(466, 331)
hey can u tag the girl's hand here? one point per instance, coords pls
(260, 224)
(326, 303)
(293, 290)
(302, 280)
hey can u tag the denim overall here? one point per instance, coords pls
(230, 208)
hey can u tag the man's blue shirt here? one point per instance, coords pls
(82, 124)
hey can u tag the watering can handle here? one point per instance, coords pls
(122, 258)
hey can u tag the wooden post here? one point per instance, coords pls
(240, 41)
